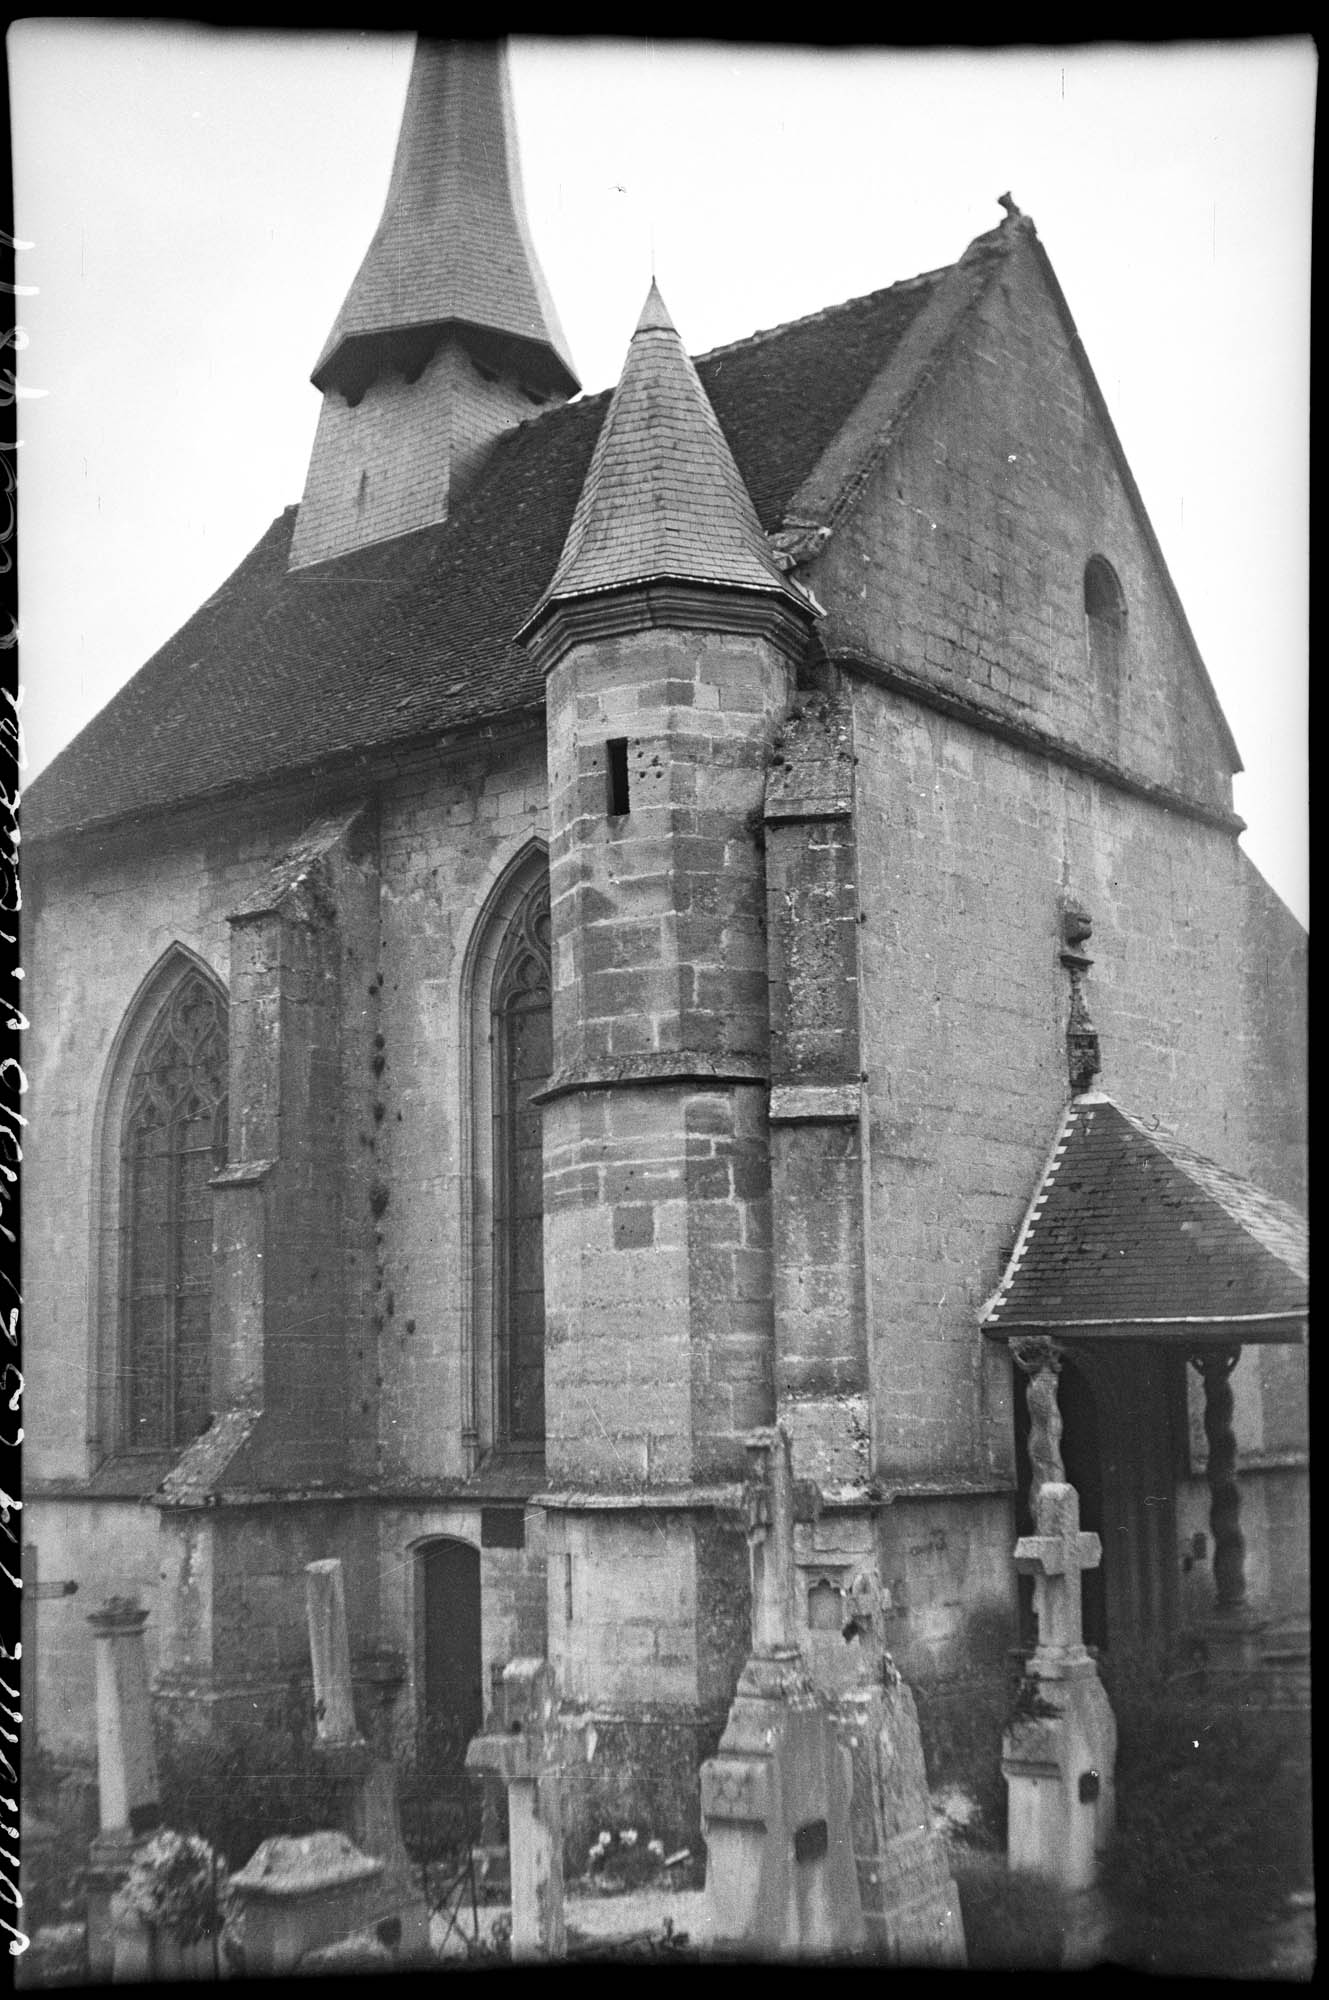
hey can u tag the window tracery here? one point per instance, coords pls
(174, 1140)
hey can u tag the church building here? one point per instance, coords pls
(633, 917)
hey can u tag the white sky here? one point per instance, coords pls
(198, 201)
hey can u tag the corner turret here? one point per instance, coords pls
(670, 638)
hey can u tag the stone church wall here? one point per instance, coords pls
(446, 832)
(966, 847)
(961, 568)
(963, 562)
(92, 944)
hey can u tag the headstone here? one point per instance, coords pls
(35, 1592)
(780, 1873)
(128, 1793)
(365, 1770)
(330, 1655)
(1060, 1747)
(911, 1911)
(531, 1751)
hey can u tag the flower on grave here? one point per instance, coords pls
(655, 1847)
(629, 1836)
(178, 1884)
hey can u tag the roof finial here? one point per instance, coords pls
(1082, 1052)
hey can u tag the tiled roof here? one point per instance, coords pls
(453, 243)
(663, 497)
(281, 671)
(1131, 1233)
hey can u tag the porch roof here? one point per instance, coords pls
(1131, 1235)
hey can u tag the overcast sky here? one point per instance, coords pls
(198, 201)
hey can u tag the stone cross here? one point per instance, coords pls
(1056, 1555)
(127, 1790)
(34, 1593)
(772, 1499)
(365, 1773)
(532, 1750)
(330, 1654)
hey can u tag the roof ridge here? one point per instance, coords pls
(822, 313)
(586, 400)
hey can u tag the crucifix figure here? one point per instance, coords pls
(1058, 1552)
(772, 1501)
(769, 1519)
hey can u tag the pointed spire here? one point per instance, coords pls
(655, 314)
(453, 246)
(663, 497)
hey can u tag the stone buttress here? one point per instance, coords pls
(669, 640)
(286, 1425)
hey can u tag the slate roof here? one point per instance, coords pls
(663, 497)
(1131, 1234)
(453, 243)
(285, 671)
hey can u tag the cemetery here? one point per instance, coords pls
(821, 1836)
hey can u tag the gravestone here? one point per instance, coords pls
(1059, 1749)
(780, 1873)
(294, 1897)
(911, 1911)
(531, 1750)
(367, 1778)
(129, 1797)
(35, 1592)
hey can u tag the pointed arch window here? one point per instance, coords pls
(173, 1139)
(522, 1044)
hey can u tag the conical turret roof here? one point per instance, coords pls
(453, 246)
(663, 497)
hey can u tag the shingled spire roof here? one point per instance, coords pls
(1132, 1235)
(663, 498)
(453, 246)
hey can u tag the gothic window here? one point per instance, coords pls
(174, 1140)
(1104, 618)
(522, 1058)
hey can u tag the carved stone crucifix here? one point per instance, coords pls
(773, 1499)
(1055, 1556)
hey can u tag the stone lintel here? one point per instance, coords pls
(661, 1499)
(682, 605)
(816, 1103)
(806, 807)
(673, 1066)
(243, 1173)
(943, 1488)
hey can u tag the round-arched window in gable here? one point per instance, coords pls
(1104, 617)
